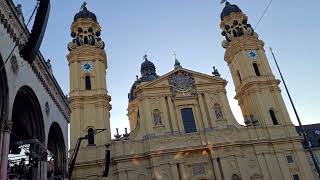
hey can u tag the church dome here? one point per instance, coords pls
(148, 70)
(228, 9)
(85, 13)
(148, 73)
(146, 65)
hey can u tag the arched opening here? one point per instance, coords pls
(88, 82)
(90, 137)
(256, 69)
(239, 76)
(235, 177)
(273, 117)
(57, 156)
(27, 149)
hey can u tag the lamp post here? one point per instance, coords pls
(297, 116)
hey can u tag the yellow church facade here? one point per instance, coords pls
(182, 126)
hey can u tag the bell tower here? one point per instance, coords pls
(89, 99)
(257, 90)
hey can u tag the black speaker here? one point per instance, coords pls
(30, 50)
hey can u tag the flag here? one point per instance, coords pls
(223, 1)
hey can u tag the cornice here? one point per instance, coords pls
(221, 147)
(12, 24)
(82, 53)
(253, 86)
(99, 97)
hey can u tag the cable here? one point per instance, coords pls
(263, 14)
(24, 31)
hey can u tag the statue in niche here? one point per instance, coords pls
(157, 117)
(218, 111)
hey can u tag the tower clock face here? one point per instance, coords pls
(253, 54)
(87, 66)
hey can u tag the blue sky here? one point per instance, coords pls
(132, 28)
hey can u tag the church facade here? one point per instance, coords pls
(181, 123)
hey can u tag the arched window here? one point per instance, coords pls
(157, 117)
(188, 120)
(273, 117)
(256, 69)
(235, 177)
(90, 136)
(88, 82)
(218, 111)
(239, 76)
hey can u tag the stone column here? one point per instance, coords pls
(122, 175)
(7, 127)
(283, 165)
(203, 113)
(274, 166)
(173, 116)
(263, 166)
(212, 119)
(148, 114)
(216, 169)
(165, 118)
(174, 170)
(182, 171)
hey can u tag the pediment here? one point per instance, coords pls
(198, 79)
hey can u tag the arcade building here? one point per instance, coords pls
(34, 112)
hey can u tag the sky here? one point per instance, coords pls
(158, 28)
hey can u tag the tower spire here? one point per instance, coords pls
(177, 63)
(83, 6)
(224, 1)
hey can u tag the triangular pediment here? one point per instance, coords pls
(199, 79)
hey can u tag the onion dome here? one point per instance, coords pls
(85, 14)
(148, 70)
(86, 33)
(228, 9)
